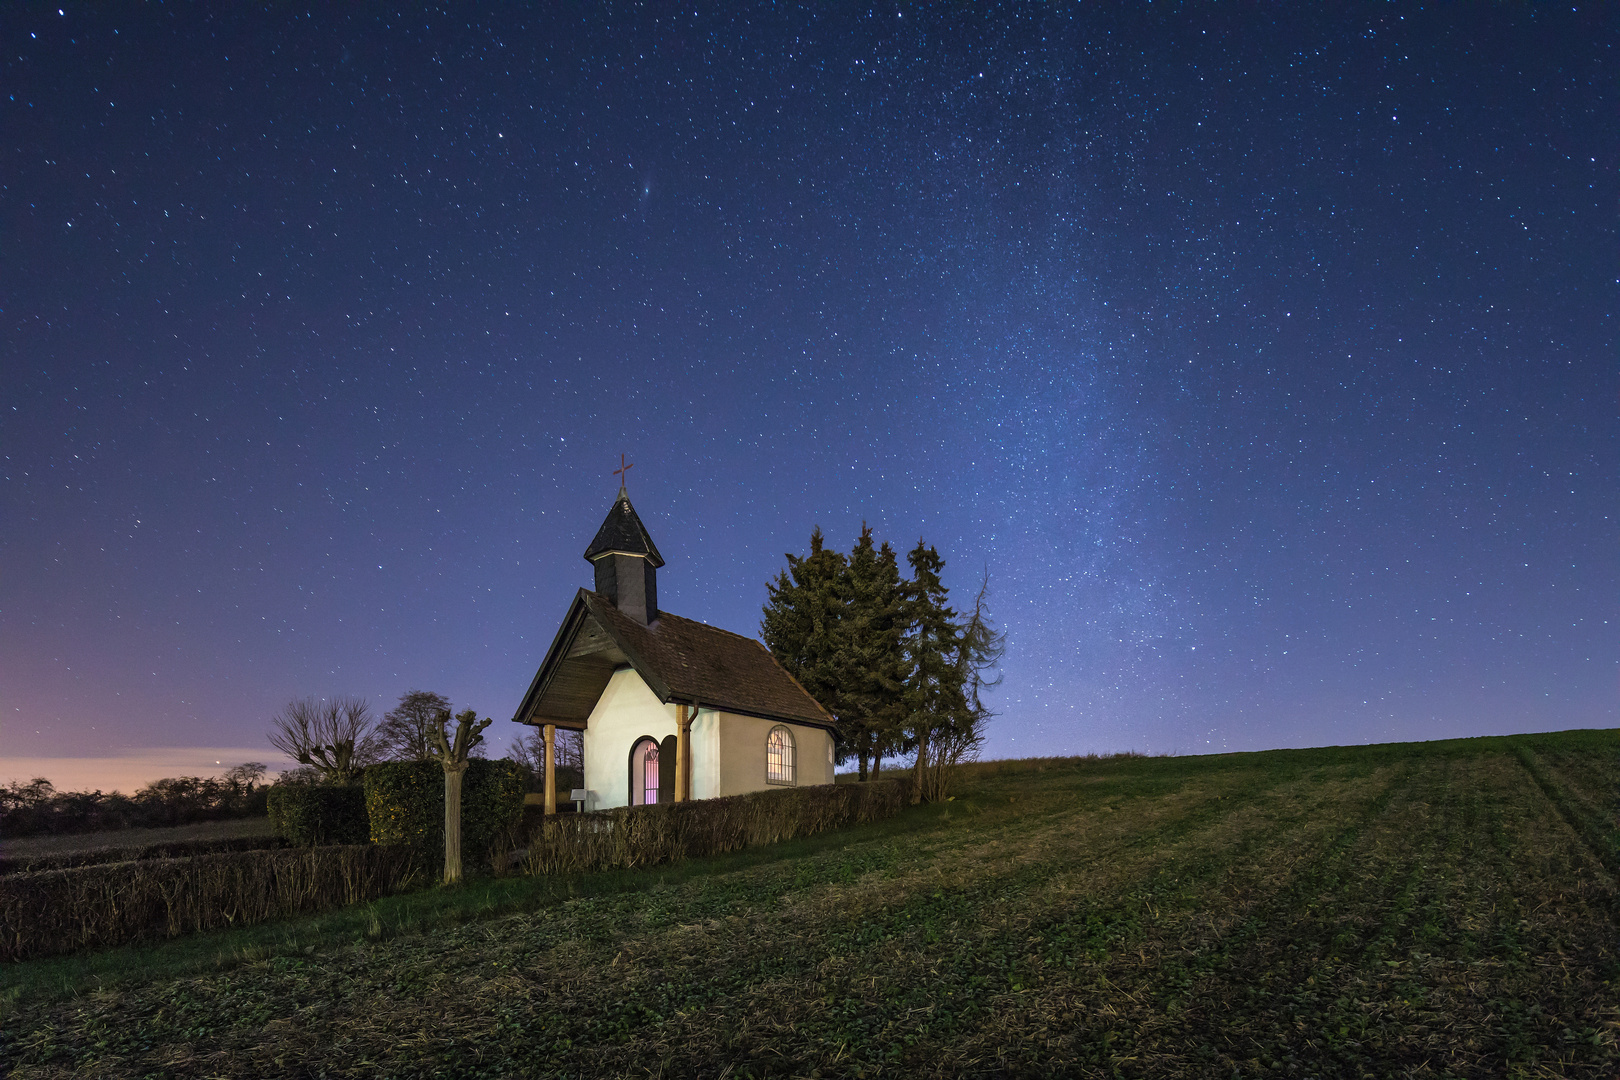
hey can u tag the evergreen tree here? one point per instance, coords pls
(887, 657)
(871, 664)
(802, 621)
(933, 641)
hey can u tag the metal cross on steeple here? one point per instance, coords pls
(623, 471)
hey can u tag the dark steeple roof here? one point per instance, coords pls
(623, 531)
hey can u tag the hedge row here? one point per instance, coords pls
(405, 805)
(58, 911)
(310, 814)
(644, 835)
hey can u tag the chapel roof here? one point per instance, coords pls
(623, 531)
(680, 660)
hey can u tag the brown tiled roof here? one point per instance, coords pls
(679, 659)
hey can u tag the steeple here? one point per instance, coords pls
(626, 561)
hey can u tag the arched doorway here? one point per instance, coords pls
(645, 773)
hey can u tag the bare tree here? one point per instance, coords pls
(958, 732)
(246, 776)
(469, 733)
(336, 737)
(530, 751)
(407, 729)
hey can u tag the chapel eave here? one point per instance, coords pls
(679, 659)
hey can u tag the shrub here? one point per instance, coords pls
(644, 835)
(319, 814)
(87, 907)
(405, 802)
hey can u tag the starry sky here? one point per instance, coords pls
(1264, 356)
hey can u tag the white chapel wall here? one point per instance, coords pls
(625, 712)
(728, 750)
(706, 754)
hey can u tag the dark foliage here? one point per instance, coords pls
(405, 804)
(87, 907)
(37, 808)
(631, 836)
(898, 668)
(307, 815)
(801, 622)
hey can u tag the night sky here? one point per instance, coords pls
(1264, 356)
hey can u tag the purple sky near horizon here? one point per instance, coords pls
(1264, 358)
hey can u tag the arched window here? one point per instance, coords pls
(644, 772)
(779, 757)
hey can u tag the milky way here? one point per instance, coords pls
(1263, 359)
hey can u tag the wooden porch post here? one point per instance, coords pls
(683, 754)
(551, 768)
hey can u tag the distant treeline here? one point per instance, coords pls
(36, 808)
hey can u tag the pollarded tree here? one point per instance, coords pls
(453, 756)
(337, 737)
(407, 729)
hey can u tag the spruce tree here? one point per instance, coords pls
(933, 688)
(888, 658)
(871, 660)
(802, 618)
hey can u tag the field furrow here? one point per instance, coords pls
(1364, 911)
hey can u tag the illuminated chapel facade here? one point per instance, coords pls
(669, 709)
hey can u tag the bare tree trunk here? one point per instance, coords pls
(863, 760)
(452, 822)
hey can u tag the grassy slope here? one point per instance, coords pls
(1427, 909)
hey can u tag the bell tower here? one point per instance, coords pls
(626, 562)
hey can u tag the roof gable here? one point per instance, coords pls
(679, 660)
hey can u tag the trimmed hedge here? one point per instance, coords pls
(309, 814)
(405, 801)
(90, 907)
(631, 836)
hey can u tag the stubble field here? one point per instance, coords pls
(1441, 909)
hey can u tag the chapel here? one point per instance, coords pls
(669, 709)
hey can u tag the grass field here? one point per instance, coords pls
(75, 843)
(1441, 909)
